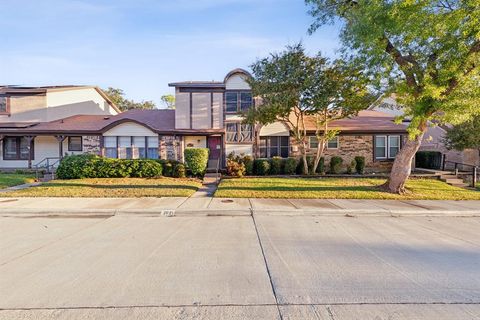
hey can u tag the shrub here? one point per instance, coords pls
(290, 166)
(197, 160)
(76, 167)
(248, 162)
(321, 166)
(179, 171)
(336, 165)
(92, 166)
(276, 164)
(360, 164)
(235, 168)
(168, 169)
(300, 168)
(262, 167)
(352, 167)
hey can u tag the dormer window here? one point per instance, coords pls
(4, 105)
(238, 101)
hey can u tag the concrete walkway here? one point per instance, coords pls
(20, 187)
(231, 207)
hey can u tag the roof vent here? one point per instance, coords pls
(106, 118)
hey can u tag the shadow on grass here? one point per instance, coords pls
(120, 186)
(304, 189)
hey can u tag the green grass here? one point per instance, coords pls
(114, 187)
(14, 179)
(338, 188)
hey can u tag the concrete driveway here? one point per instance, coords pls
(261, 267)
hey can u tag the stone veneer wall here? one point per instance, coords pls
(91, 144)
(349, 147)
(170, 147)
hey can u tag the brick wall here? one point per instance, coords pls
(91, 144)
(350, 146)
(170, 147)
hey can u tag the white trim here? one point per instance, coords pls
(385, 147)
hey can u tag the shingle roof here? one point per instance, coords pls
(367, 121)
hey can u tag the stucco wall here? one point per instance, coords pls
(129, 129)
(26, 108)
(274, 129)
(195, 141)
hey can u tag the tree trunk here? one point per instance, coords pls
(402, 166)
(320, 150)
(304, 157)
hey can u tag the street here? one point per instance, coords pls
(240, 267)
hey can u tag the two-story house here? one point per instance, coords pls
(41, 125)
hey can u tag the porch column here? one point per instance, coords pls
(60, 140)
(29, 141)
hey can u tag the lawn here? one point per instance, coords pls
(112, 187)
(338, 188)
(14, 179)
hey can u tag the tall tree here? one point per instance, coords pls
(465, 135)
(424, 51)
(293, 86)
(169, 101)
(118, 97)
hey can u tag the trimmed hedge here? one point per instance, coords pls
(290, 166)
(168, 166)
(92, 166)
(360, 164)
(179, 171)
(336, 165)
(196, 160)
(276, 165)
(262, 167)
(321, 166)
(248, 162)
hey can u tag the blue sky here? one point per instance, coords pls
(142, 45)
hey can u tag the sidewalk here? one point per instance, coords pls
(208, 206)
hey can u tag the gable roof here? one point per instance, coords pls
(367, 121)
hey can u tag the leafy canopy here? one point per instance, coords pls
(426, 52)
(169, 101)
(465, 135)
(118, 98)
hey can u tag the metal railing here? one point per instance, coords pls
(47, 164)
(474, 170)
(217, 169)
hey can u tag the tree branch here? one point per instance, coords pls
(405, 64)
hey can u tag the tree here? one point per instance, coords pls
(118, 98)
(169, 101)
(293, 86)
(424, 51)
(464, 136)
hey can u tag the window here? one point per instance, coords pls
(110, 144)
(4, 105)
(239, 132)
(131, 147)
(274, 147)
(152, 147)
(386, 147)
(332, 144)
(238, 101)
(75, 144)
(393, 146)
(17, 148)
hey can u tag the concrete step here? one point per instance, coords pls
(448, 176)
(452, 180)
(460, 185)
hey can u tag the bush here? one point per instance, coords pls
(276, 164)
(92, 166)
(179, 171)
(300, 169)
(352, 167)
(197, 160)
(290, 166)
(360, 164)
(248, 162)
(336, 165)
(262, 167)
(321, 166)
(235, 168)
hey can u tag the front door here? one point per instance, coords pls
(215, 146)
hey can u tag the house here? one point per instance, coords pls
(433, 140)
(41, 125)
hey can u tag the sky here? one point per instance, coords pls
(142, 45)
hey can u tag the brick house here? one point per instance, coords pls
(41, 125)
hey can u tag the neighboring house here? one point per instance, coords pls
(433, 138)
(50, 122)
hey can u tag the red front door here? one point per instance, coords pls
(215, 146)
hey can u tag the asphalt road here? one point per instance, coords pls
(262, 267)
